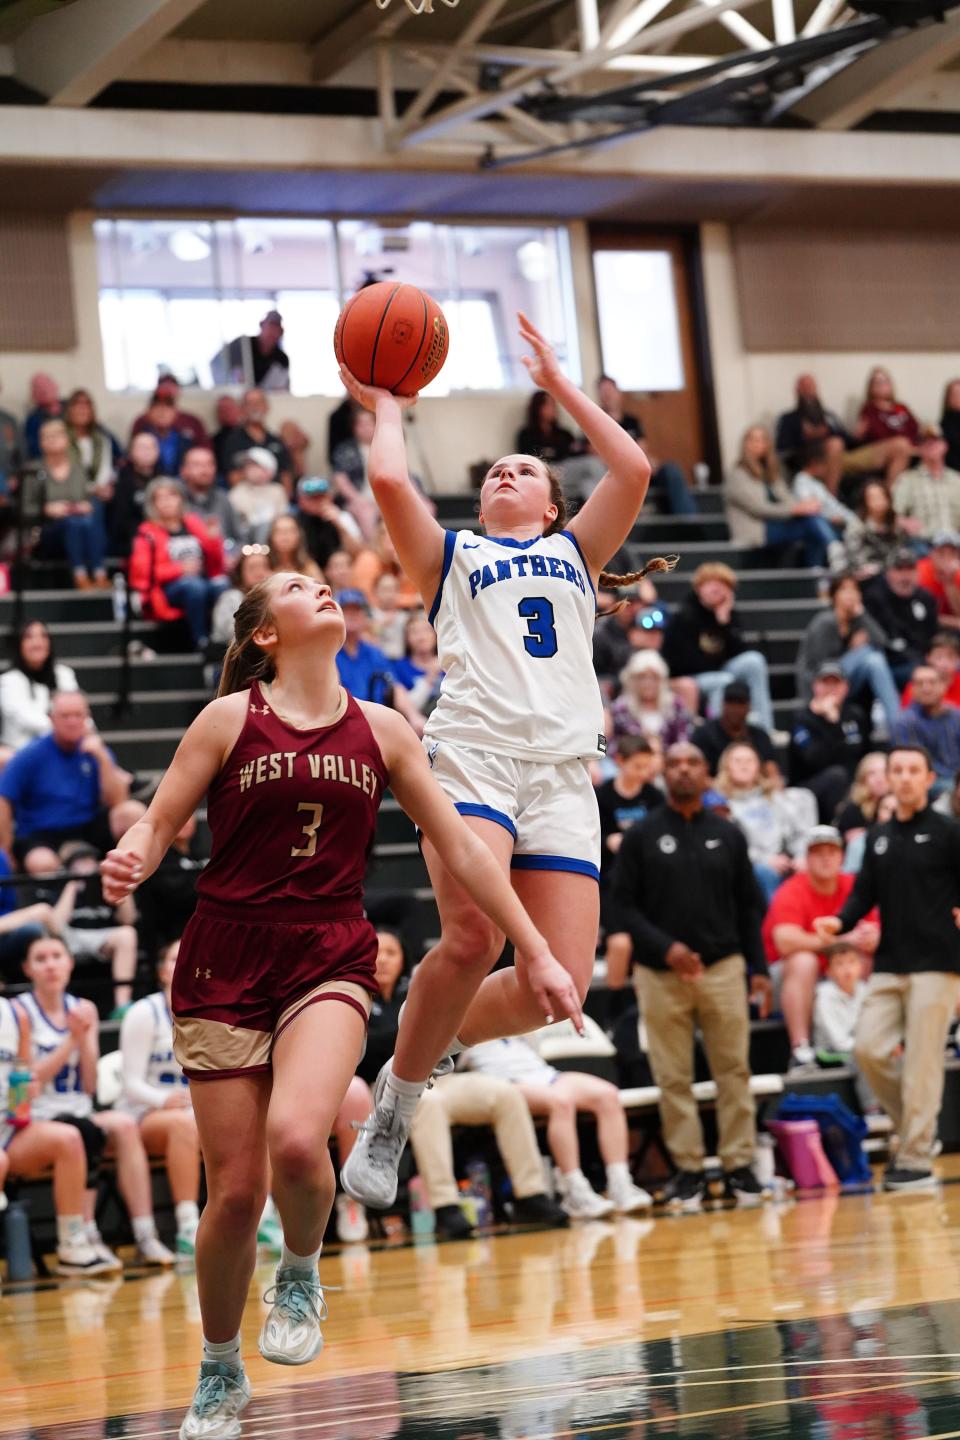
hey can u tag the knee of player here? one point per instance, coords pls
(124, 1130)
(295, 1155)
(608, 1099)
(476, 944)
(66, 1143)
(563, 1106)
(237, 1202)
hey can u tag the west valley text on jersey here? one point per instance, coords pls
(523, 566)
(288, 765)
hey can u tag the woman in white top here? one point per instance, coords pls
(157, 1095)
(65, 1050)
(26, 688)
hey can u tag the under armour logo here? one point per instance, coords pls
(260, 709)
(206, 974)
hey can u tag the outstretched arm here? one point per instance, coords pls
(199, 756)
(417, 537)
(607, 518)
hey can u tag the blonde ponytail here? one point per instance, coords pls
(244, 661)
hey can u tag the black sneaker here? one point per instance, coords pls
(683, 1192)
(451, 1222)
(743, 1186)
(896, 1179)
(537, 1210)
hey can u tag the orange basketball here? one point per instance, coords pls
(393, 336)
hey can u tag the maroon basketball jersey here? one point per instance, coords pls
(292, 814)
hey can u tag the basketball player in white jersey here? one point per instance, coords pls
(31, 1149)
(519, 718)
(156, 1093)
(64, 1050)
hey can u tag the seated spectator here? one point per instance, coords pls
(168, 897)
(704, 639)
(828, 740)
(364, 669)
(46, 404)
(944, 656)
(874, 533)
(473, 1099)
(125, 509)
(884, 421)
(156, 1094)
(560, 1095)
(190, 425)
(761, 512)
(351, 459)
(418, 671)
(252, 434)
(65, 1049)
(542, 434)
(927, 498)
(950, 422)
(612, 646)
(381, 558)
(87, 925)
(388, 623)
(326, 527)
(160, 421)
(57, 497)
(255, 359)
(393, 978)
(906, 614)
(938, 572)
(252, 567)
(623, 800)
(229, 418)
(203, 497)
(92, 446)
(732, 725)
(845, 632)
(836, 1011)
(666, 477)
(931, 724)
(857, 842)
(62, 785)
(791, 941)
(810, 483)
(775, 821)
(26, 689)
(870, 784)
(176, 564)
(812, 424)
(258, 499)
(287, 549)
(646, 705)
(297, 442)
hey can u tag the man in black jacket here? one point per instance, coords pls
(911, 869)
(828, 740)
(684, 882)
(704, 639)
(904, 611)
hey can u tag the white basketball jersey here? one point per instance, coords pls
(63, 1094)
(514, 622)
(9, 1045)
(163, 1069)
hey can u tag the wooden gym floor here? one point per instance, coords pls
(836, 1318)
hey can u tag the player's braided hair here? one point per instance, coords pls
(244, 661)
(607, 581)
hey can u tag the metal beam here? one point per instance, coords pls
(72, 54)
(473, 30)
(874, 80)
(344, 41)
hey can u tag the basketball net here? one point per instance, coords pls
(419, 7)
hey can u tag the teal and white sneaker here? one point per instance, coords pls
(270, 1232)
(222, 1392)
(291, 1332)
(187, 1243)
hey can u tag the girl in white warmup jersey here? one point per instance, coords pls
(519, 718)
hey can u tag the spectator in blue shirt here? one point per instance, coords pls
(364, 669)
(61, 786)
(932, 724)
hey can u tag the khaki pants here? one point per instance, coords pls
(671, 1009)
(474, 1100)
(914, 1011)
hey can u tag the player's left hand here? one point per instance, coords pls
(553, 988)
(543, 366)
(120, 872)
(761, 994)
(369, 395)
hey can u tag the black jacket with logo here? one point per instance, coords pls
(689, 880)
(911, 869)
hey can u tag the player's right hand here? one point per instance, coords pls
(553, 989)
(368, 395)
(120, 873)
(825, 927)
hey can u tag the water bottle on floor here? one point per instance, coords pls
(17, 1242)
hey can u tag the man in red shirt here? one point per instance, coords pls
(791, 943)
(944, 656)
(939, 572)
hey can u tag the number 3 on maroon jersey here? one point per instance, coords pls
(309, 830)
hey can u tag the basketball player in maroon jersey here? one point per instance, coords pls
(294, 770)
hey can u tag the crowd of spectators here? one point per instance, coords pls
(693, 746)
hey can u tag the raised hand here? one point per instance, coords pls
(543, 366)
(120, 872)
(368, 395)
